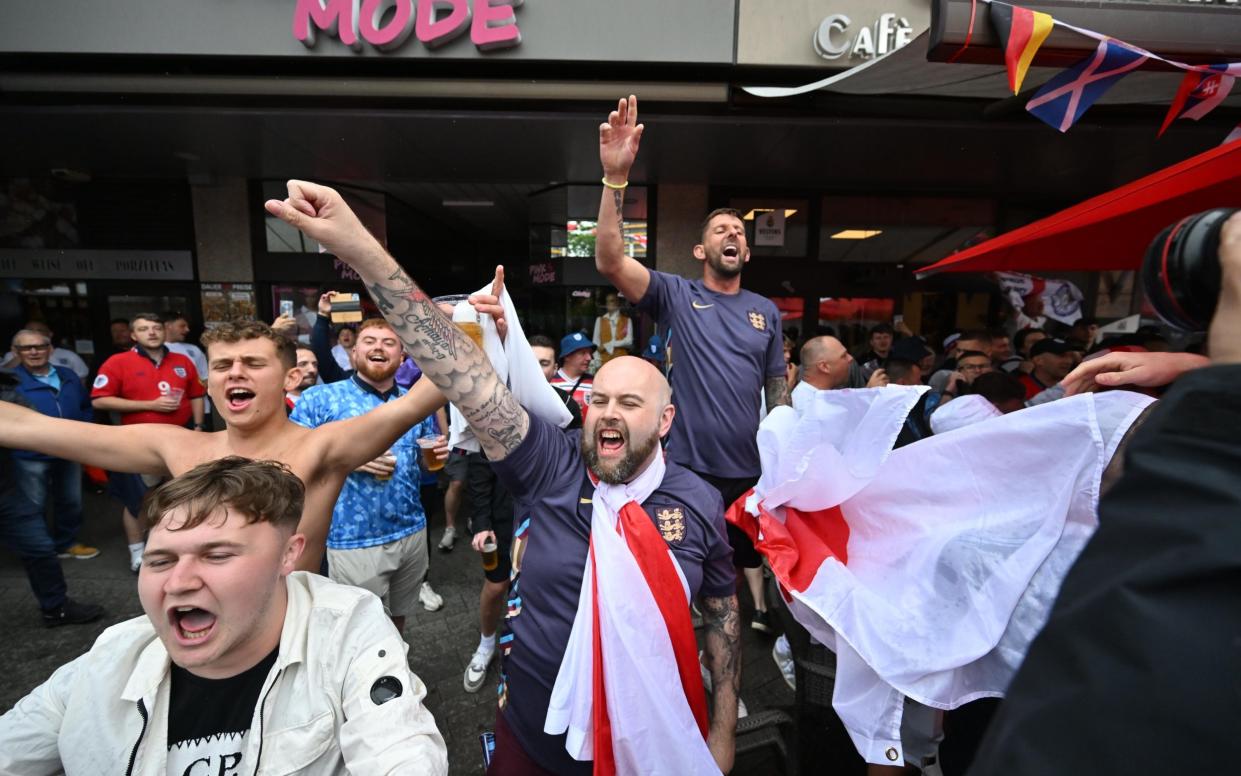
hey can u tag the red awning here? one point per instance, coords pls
(1112, 230)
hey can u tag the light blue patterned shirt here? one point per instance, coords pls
(369, 511)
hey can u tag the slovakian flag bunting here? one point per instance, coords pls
(1021, 32)
(1062, 100)
(1198, 95)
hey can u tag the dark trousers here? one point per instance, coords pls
(24, 532)
(62, 481)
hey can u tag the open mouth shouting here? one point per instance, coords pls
(238, 398)
(731, 251)
(610, 442)
(191, 625)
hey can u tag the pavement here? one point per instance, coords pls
(440, 643)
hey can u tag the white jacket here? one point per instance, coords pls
(107, 711)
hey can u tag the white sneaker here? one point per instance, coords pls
(476, 671)
(446, 541)
(135, 562)
(431, 600)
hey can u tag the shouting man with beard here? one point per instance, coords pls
(378, 537)
(727, 349)
(599, 661)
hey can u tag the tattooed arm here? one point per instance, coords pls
(618, 146)
(776, 392)
(446, 355)
(722, 655)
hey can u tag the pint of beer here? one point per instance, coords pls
(430, 461)
(473, 330)
(491, 555)
(463, 314)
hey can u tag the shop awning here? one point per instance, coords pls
(1112, 230)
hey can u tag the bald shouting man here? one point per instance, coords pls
(611, 475)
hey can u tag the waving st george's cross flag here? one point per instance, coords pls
(1062, 100)
(928, 569)
(1198, 95)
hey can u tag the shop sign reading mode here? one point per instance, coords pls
(387, 24)
(835, 39)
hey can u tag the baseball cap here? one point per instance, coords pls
(654, 349)
(574, 342)
(1057, 346)
(951, 340)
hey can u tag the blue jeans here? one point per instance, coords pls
(65, 480)
(23, 530)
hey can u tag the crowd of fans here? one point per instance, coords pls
(335, 447)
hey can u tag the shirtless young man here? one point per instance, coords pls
(249, 369)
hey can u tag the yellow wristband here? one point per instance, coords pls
(614, 185)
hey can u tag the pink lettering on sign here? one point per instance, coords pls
(335, 17)
(391, 35)
(434, 28)
(492, 23)
(495, 24)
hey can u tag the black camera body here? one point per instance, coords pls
(1180, 273)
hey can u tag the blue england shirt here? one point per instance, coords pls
(369, 511)
(723, 350)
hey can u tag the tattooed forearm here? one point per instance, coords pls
(776, 391)
(452, 361)
(618, 199)
(722, 655)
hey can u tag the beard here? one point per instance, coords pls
(615, 472)
(376, 372)
(716, 260)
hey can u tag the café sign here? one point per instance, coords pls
(837, 37)
(386, 25)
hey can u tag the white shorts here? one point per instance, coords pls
(392, 571)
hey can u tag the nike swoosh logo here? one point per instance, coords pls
(701, 306)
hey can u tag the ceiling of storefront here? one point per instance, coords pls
(425, 156)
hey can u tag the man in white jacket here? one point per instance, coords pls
(241, 664)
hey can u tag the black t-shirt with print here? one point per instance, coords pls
(208, 719)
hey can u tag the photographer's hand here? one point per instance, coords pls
(1223, 340)
(1118, 369)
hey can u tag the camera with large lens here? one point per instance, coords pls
(1180, 273)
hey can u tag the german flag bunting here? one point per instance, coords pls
(1021, 32)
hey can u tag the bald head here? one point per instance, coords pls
(630, 374)
(825, 363)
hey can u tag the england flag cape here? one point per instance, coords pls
(629, 692)
(930, 568)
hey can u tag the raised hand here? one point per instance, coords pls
(490, 303)
(619, 137)
(325, 303)
(323, 215)
(286, 325)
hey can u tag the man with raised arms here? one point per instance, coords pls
(251, 368)
(727, 350)
(617, 539)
